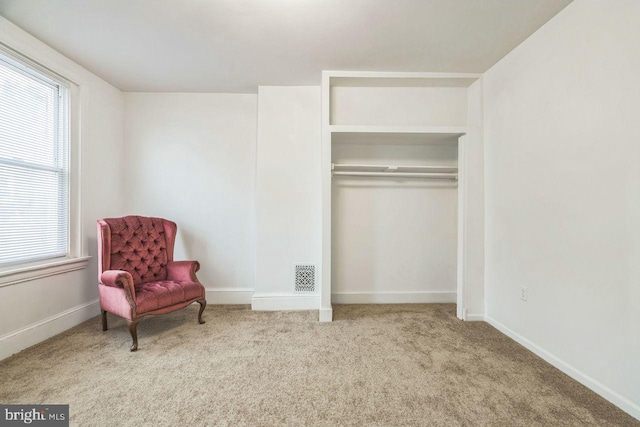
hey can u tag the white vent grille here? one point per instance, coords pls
(305, 278)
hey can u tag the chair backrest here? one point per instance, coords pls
(140, 245)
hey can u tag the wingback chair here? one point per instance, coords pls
(137, 274)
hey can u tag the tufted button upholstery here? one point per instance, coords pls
(159, 294)
(128, 244)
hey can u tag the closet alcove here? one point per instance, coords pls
(394, 186)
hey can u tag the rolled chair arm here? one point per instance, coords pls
(183, 271)
(120, 279)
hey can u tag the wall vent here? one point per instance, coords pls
(304, 278)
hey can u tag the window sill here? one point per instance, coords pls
(40, 270)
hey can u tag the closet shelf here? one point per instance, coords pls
(397, 135)
(453, 131)
(413, 171)
(396, 168)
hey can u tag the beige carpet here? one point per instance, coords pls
(375, 365)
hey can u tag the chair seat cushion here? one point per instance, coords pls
(152, 296)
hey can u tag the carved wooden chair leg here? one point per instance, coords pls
(133, 325)
(203, 304)
(104, 320)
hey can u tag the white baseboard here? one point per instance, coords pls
(16, 341)
(224, 296)
(393, 297)
(474, 317)
(276, 302)
(620, 401)
(325, 315)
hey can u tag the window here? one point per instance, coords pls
(34, 165)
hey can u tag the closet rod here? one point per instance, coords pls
(453, 176)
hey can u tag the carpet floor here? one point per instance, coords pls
(375, 365)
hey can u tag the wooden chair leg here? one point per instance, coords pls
(133, 325)
(104, 321)
(203, 304)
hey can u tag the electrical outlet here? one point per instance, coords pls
(524, 293)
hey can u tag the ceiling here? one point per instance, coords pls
(236, 45)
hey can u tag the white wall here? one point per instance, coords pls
(562, 132)
(191, 158)
(35, 310)
(287, 193)
(394, 240)
(399, 106)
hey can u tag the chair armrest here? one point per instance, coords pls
(183, 271)
(120, 279)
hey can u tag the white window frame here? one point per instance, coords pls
(76, 258)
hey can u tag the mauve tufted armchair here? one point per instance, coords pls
(137, 274)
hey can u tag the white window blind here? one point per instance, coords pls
(34, 165)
